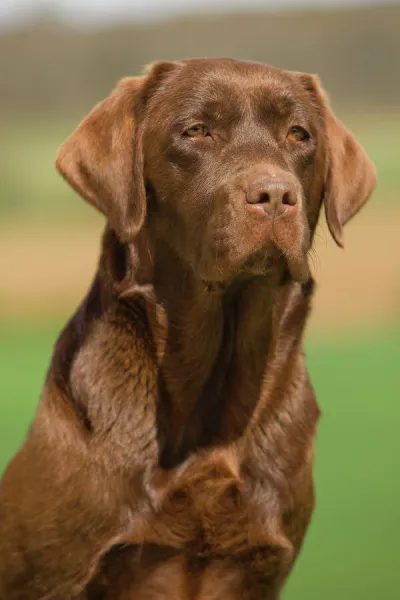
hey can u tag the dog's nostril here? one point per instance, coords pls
(264, 198)
(286, 199)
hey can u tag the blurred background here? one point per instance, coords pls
(58, 58)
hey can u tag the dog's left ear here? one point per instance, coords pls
(350, 176)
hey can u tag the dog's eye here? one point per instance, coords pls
(298, 134)
(197, 131)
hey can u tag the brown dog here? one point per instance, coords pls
(171, 454)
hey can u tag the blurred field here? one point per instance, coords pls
(49, 243)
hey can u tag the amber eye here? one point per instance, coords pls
(196, 131)
(298, 134)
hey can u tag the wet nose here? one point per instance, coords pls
(273, 196)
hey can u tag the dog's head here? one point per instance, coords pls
(228, 163)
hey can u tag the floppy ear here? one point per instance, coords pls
(350, 176)
(103, 160)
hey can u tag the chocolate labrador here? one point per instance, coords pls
(171, 453)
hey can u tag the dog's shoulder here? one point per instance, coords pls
(103, 364)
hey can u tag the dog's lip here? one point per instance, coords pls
(257, 208)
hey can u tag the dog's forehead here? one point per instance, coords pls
(216, 83)
(222, 74)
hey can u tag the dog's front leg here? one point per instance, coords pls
(61, 509)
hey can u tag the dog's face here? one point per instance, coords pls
(228, 161)
(234, 156)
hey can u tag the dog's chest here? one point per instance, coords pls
(207, 511)
(202, 539)
(205, 541)
(203, 509)
(182, 579)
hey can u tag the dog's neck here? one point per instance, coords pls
(209, 338)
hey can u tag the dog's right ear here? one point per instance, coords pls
(103, 161)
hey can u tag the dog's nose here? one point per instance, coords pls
(273, 196)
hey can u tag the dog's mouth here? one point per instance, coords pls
(265, 264)
(261, 265)
(284, 239)
(256, 245)
(296, 262)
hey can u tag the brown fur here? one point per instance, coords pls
(171, 454)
